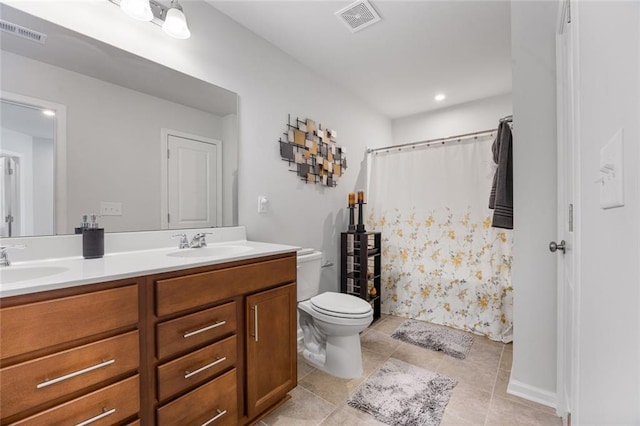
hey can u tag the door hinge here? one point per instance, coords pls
(8, 219)
(570, 217)
(9, 169)
(168, 217)
(568, 11)
(168, 155)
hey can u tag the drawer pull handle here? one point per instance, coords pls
(188, 374)
(220, 414)
(102, 415)
(48, 382)
(202, 330)
(255, 322)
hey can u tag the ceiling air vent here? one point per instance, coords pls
(358, 15)
(23, 32)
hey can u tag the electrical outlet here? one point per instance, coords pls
(109, 208)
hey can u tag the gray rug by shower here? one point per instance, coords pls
(404, 395)
(435, 337)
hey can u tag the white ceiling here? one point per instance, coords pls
(418, 49)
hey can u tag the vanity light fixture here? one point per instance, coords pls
(171, 18)
(440, 97)
(137, 9)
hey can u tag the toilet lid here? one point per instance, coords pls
(340, 304)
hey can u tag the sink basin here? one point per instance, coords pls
(211, 251)
(14, 274)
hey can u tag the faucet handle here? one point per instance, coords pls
(4, 259)
(200, 239)
(184, 242)
(15, 246)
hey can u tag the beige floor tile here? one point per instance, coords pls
(303, 367)
(379, 342)
(388, 325)
(469, 404)
(468, 372)
(418, 356)
(304, 408)
(481, 340)
(501, 391)
(371, 361)
(487, 356)
(507, 358)
(331, 388)
(453, 420)
(345, 415)
(503, 412)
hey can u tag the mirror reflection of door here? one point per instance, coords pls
(194, 181)
(27, 184)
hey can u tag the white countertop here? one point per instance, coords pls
(77, 271)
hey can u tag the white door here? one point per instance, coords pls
(566, 243)
(194, 181)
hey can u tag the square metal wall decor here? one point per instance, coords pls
(312, 152)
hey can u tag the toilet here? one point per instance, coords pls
(330, 322)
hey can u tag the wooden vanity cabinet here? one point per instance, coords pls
(205, 324)
(68, 356)
(212, 345)
(271, 347)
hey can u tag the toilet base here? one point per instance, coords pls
(338, 358)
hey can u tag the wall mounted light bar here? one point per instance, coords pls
(171, 18)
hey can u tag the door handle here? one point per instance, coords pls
(553, 246)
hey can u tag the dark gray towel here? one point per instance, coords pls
(501, 198)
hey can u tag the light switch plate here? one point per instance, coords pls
(109, 208)
(612, 172)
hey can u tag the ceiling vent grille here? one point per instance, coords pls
(358, 15)
(23, 32)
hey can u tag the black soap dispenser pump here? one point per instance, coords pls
(93, 240)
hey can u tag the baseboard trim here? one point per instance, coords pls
(532, 393)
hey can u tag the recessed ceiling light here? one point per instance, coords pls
(439, 97)
(48, 112)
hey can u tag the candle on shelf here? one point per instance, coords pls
(361, 197)
(352, 199)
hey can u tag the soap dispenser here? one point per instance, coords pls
(93, 240)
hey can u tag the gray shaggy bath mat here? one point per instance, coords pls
(435, 337)
(404, 395)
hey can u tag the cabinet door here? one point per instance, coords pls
(271, 347)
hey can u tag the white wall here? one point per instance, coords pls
(113, 139)
(482, 114)
(43, 190)
(609, 328)
(533, 373)
(270, 85)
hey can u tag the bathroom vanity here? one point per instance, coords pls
(205, 341)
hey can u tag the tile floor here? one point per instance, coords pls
(480, 398)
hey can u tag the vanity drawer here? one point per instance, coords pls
(114, 403)
(217, 398)
(193, 330)
(25, 385)
(34, 326)
(177, 375)
(182, 293)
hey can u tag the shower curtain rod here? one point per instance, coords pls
(429, 142)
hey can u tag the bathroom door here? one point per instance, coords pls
(194, 181)
(568, 285)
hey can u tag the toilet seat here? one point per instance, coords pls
(340, 305)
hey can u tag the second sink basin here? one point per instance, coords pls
(13, 274)
(211, 251)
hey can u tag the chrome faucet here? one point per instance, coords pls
(4, 259)
(199, 240)
(184, 243)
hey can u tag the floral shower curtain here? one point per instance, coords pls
(442, 261)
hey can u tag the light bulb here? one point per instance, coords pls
(137, 9)
(440, 97)
(175, 24)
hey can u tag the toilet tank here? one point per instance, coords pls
(309, 262)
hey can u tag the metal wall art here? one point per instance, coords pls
(312, 152)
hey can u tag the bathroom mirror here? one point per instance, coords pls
(115, 122)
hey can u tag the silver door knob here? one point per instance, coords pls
(553, 246)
